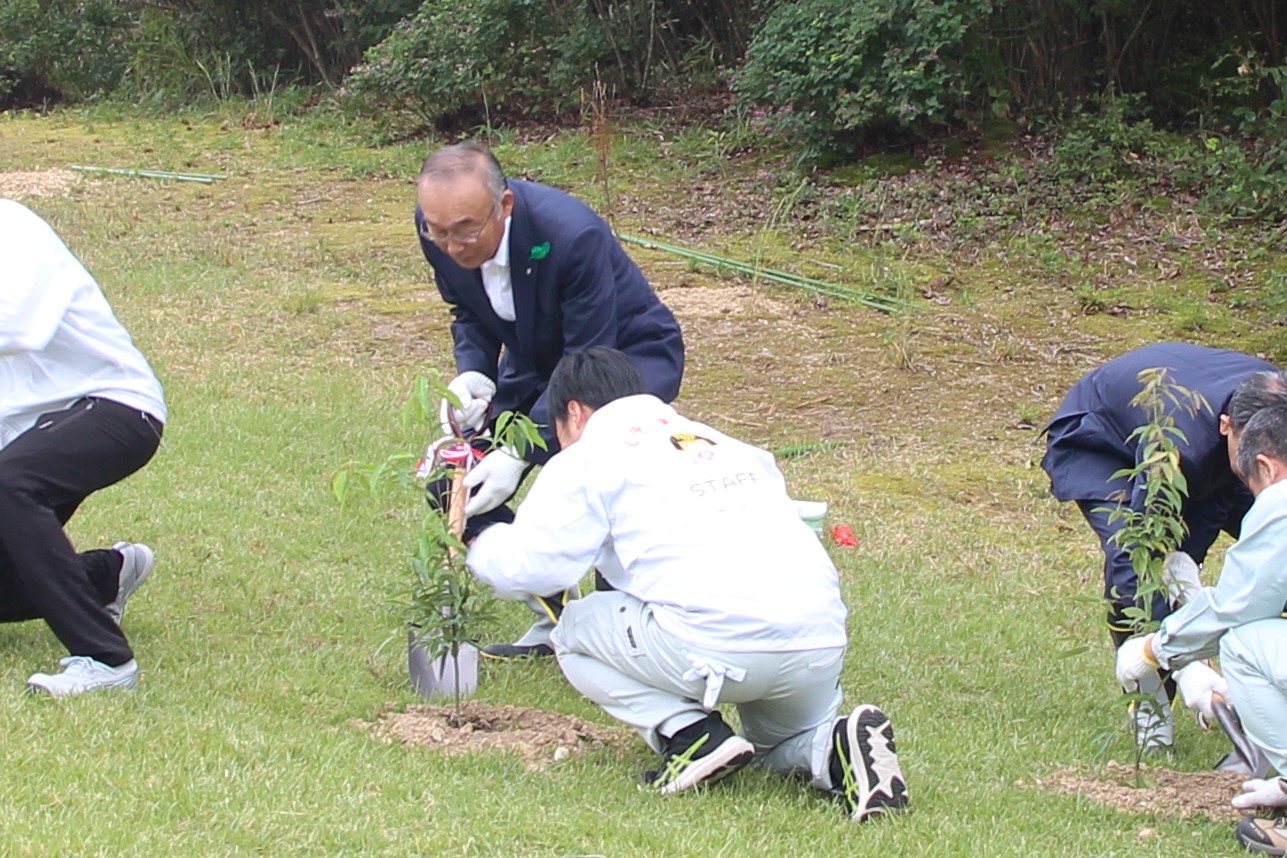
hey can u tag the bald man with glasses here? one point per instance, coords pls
(531, 274)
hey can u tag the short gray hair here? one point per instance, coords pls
(1257, 391)
(466, 159)
(1264, 435)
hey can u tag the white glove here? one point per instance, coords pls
(1134, 662)
(496, 477)
(1197, 683)
(475, 392)
(1261, 792)
(1180, 575)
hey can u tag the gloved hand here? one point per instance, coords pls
(1261, 792)
(425, 466)
(1180, 575)
(1135, 660)
(496, 477)
(475, 392)
(1197, 682)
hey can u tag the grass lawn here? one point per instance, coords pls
(287, 311)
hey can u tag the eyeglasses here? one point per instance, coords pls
(467, 237)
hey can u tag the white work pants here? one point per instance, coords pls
(612, 651)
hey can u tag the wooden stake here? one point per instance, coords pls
(456, 506)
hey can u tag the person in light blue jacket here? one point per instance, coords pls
(1090, 444)
(1241, 619)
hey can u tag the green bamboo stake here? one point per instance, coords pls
(794, 451)
(833, 290)
(203, 178)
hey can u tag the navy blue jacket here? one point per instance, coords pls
(1088, 438)
(578, 289)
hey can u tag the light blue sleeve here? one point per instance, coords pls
(1252, 586)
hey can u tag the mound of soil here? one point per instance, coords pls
(538, 736)
(1163, 792)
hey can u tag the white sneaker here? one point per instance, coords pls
(136, 564)
(81, 674)
(1153, 721)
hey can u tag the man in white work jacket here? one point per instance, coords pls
(80, 409)
(695, 532)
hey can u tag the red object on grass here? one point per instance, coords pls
(843, 534)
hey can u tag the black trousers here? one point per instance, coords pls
(45, 474)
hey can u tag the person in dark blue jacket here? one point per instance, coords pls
(1089, 440)
(531, 274)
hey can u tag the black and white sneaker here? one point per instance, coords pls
(554, 603)
(864, 765)
(513, 652)
(1266, 836)
(699, 755)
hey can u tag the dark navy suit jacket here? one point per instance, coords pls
(577, 289)
(1088, 438)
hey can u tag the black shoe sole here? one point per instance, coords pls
(880, 788)
(513, 652)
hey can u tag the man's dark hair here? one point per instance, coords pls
(1255, 392)
(1264, 435)
(466, 159)
(593, 377)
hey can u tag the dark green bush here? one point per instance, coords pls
(1111, 140)
(183, 50)
(456, 62)
(450, 60)
(76, 48)
(835, 71)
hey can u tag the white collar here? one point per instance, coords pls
(501, 259)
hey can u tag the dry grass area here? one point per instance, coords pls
(26, 184)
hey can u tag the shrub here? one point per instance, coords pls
(1115, 141)
(1244, 167)
(836, 70)
(78, 48)
(458, 62)
(448, 60)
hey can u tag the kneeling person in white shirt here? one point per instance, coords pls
(694, 530)
(80, 410)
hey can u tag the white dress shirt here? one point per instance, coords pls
(496, 280)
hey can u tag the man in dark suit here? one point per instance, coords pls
(1089, 440)
(531, 274)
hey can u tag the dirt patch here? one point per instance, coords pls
(713, 303)
(43, 183)
(538, 736)
(1166, 793)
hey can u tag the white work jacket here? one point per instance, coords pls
(684, 518)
